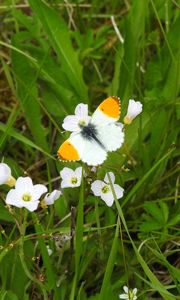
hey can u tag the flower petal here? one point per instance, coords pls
(134, 109)
(107, 198)
(112, 176)
(78, 173)
(118, 191)
(70, 123)
(38, 190)
(68, 183)
(66, 173)
(49, 250)
(81, 110)
(97, 186)
(126, 289)
(51, 197)
(123, 296)
(135, 291)
(5, 173)
(13, 198)
(31, 205)
(24, 184)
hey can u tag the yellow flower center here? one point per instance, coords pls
(105, 189)
(131, 295)
(26, 197)
(82, 122)
(74, 180)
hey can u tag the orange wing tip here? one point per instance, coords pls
(67, 152)
(111, 106)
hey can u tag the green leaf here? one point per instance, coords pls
(9, 295)
(153, 209)
(59, 37)
(13, 133)
(104, 295)
(149, 226)
(156, 284)
(28, 95)
(165, 210)
(145, 177)
(4, 214)
(114, 86)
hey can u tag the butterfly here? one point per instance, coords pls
(98, 135)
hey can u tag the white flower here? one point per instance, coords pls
(50, 198)
(25, 194)
(5, 175)
(75, 122)
(71, 178)
(103, 189)
(49, 250)
(129, 294)
(134, 109)
(94, 169)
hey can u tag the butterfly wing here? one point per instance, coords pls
(111, 136)
(93, 154)
(71, 149)
(78, 148)
(107, 112)
(104, 118)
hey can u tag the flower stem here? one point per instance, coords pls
(120, 229)
(21, 255)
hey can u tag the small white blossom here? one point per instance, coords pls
(71, 178)
(103, 189)
(94, 169)
(134, 109)
(25, 194)
(129, 294)
(50, 198)
(5, 175)
(75, 122)
(49, 250)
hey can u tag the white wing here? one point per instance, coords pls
(89, 151)
(107, 112)
(111, 136)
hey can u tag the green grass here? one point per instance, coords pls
(55, 55)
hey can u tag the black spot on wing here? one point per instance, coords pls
(90, 133)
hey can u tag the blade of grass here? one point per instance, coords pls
(17, 50)
(145, 177)
(27, 93)
(59, 37)
(14, 134)
(163, 32)
(156, 284)
(110, 264)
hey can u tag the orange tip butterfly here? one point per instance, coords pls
(96, 136)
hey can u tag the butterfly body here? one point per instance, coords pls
(94, 138)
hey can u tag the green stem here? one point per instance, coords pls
(99, 229)
(78, 238)
(21, 255)
(120, 229)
